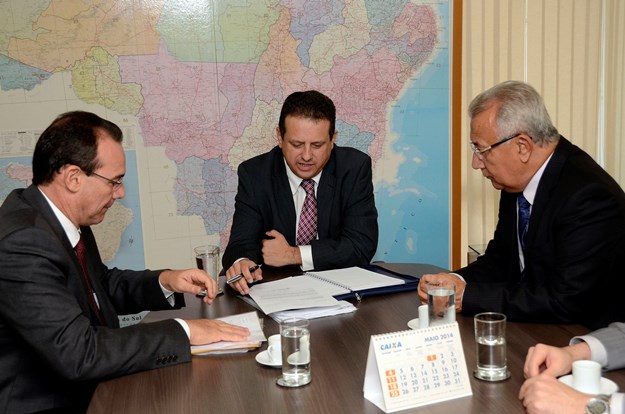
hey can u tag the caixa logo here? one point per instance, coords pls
(391, 345)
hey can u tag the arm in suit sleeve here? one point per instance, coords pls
(580, 238)
(352, 239)
(613, 340)
(44, 325)
(247, 223)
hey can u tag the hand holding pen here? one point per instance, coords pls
(235, 278)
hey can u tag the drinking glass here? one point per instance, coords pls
(490, 342)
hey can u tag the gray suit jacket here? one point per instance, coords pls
(53, 350)
(347, 218)
(613, 339)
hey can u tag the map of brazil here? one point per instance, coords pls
(197, 88)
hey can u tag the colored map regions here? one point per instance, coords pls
(14, 173)
(68, 30)
(205, 80)
(14, 75)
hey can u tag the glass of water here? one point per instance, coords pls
(295, 341)
(490, 341)
(441, 302)
(207, 259)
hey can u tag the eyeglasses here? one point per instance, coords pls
(114, 183)
(479, 152)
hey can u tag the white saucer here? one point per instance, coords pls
(263, 359)
(413, 323)
(607, 386)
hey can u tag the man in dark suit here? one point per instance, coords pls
(271, 203)
(59, 331)
(542, 393)
(565, 265)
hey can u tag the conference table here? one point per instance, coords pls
(236, 383)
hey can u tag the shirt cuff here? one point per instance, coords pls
(598, 352)
(169, 295)
(616, 403)
(307, 259)
(185, 326)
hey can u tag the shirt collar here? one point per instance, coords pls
(530, 190)
(295, 181)
(72, 233)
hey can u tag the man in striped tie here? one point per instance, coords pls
(307, 202)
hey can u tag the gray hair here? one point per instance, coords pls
(520, 109)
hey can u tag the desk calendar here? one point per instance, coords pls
(417, 367)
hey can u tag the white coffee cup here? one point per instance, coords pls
(424, 321)
(274, 349)
(587, 376)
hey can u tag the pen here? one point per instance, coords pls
(240, 275)
(231, 280)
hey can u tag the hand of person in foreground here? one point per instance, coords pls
(206, 331)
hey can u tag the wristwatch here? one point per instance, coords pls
(599, 404)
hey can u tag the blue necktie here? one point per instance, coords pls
(524, 219)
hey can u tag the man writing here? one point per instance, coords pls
(59, 331)
(559, 241)
(307, 202)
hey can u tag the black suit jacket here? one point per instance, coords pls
(575, 247)
(347, 218)
(52, 349)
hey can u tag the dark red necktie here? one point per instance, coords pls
(308, 219)
(82, 259)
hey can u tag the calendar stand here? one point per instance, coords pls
(417, 367)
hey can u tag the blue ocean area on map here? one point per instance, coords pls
(421, 121)
(15, 75)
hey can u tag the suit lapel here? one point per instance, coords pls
(546, 188)
(33, 195)
(285, 218)
(325, 196)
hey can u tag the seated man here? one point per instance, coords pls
(542, 393)
(557, 249)
(306, 202)
(59, 330)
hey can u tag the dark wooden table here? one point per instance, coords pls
(339, 344)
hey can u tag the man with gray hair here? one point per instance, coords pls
(555, 255)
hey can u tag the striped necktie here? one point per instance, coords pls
(523, 222)
(307, 229)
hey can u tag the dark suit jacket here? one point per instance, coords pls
(575, 249)
(52, 349)
(347, 218)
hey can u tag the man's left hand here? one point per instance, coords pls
(544, 394)
(278, 252)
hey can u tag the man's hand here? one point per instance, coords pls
(278, 252)
(460, 285)
(205, 331)
(189, 281)
(243, 266)
(553, 361)
(544, 394)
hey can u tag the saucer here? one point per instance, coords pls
(263, 359)
(413, 323)
(607, 386)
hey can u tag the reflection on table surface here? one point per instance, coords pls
(236, 383)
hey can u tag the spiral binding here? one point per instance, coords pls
(332, 282)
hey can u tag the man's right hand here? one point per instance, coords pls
(206, 331)
(243, 266)
(553, 361)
